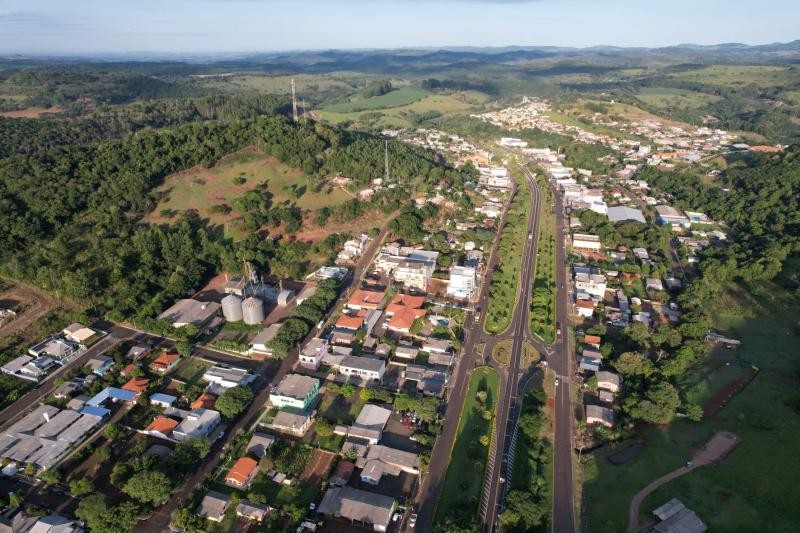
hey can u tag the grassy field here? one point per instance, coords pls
(506, 277)
(396, 98)
(752, 490)
(401, 115)
(191, 371)
(202, 188)
(339, 409)
(735, 75)
(543, 303)
(672, 97)
(463, 482)
(502, 352)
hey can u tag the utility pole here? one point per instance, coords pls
(294, 102)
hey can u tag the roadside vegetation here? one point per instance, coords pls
(506, 276)
(461, 494)
(528, 504)
(543, 302)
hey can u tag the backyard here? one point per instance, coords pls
(463, 482)
(751, 490)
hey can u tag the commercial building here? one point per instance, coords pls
(622, 213)
(586, 242)
(221, 377)
(189, 311)
(669, 215)
(462, 282)
(295, 391)
(313, 352)
(259, 345)
(370, 423)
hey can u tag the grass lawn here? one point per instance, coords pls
(754, 488)
(463, 482)
(505, 279)
(739, 75)
(191, 371)
(543, 303)
(341, 410)
(201, 188)
(502, 352)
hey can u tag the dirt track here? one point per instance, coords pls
(726, 393)
(36, 304)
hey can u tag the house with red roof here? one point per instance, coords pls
(165, 362)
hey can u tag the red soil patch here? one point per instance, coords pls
(726, 393)
(31, 112)
(318, 467)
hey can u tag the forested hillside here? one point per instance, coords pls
(70, 215)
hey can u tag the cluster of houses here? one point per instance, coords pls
(599, 406)
(669, 142)
(52, 352)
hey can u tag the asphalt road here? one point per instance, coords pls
(115, 336)
(510, 390)
(432, 482)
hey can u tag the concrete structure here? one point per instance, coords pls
(291, 423)
(198, 423)
(462, 282)
(295, 391)
(312, 353)
(259, 444)
(622, 213)
(363, 367)
(221, 377)
(253, 311)
(677, 518)
(596, 414)
(188, 311)
(358, 506)
(370, 423)
(669, 215)
(586, 242)
(259, 345)
(213, 506)
(382, 460)
(608, 381)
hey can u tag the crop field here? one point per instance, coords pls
(675, 98)
(751, 490)
(201, 188)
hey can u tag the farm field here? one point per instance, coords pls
(739, 75)
(752, 489)
(400, 115)
(675, 98)
(396, 98)
(202, 188)
(463, 482)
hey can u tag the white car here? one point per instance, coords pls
(557, 382)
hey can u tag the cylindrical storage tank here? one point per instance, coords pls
(253, 311)
(232, 308)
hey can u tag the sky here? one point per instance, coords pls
(202, 26)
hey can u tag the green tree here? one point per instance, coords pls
(81, 487)
(656, 406)
(634, 364)
(187, 520)
(522, 511)
(111, 431)
(50, 476)
(233, 401)
(149, 486)
(693, 412)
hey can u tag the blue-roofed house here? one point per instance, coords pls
(100, 364)
(164, 400)
(102, 412)
(114, 394)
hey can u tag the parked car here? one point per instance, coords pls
(412, 521)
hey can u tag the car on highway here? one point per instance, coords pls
(412, 520)
(557, 382)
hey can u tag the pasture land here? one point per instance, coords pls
(200, 188)
(752, 489)
(395, 98)
(669, 97)
(740, 75)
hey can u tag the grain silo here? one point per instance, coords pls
(253, 311)
(232, 308)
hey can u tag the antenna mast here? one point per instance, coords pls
(294, 102)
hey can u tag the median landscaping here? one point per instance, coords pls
(461, 493)
(543, 302)
(505, 279)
